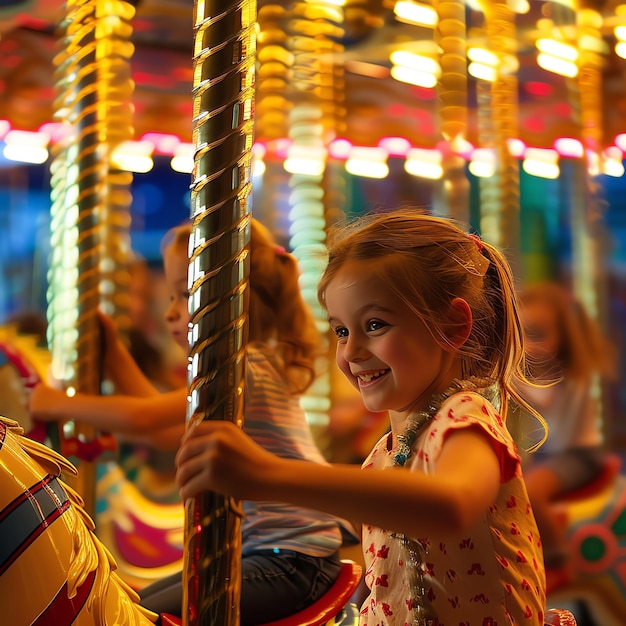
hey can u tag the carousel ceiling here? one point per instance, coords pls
(375, 104)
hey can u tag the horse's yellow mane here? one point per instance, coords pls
(111, 600)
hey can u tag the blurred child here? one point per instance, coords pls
(290, 554)
(147, 337)
(428, 331)
(564, 347)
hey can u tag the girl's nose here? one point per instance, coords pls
(354, 350)
(172, 313)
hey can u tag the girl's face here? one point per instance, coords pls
(383, 348)
(176, 266)
(542, 329)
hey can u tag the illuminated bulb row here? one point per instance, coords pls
(415, 69)
(557, 57)
(554, 56)
(424, 71)
(422, 14)
(309, 160)
(620, 44)
(26, 147)
(544, 162)
(131, 156)
(416, 13)
(425, 163)
(136, 156)
(485, 65)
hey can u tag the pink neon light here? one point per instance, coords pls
(395, 146)
(340, 149)
(569, 147)
(163, 143)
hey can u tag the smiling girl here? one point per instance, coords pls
(428, 331)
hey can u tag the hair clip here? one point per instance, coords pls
(478, 241)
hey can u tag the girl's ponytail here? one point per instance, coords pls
(279, 315)
(508, 335)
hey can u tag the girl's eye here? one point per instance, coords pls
(341, 332)
(374, 325)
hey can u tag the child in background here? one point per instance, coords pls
(146, 336)
(290, 554)
(564, 347)
(428, 331)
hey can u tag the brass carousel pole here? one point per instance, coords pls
(588, 204)
(313, 29)
(498, 122)
(450, 35)
(223, 117)
(115, 280)
(589, 241)
(93, 102)
(272, 82)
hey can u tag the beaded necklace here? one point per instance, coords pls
(416, 550)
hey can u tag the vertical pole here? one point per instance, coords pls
(93, 81)
(500, 194)
(589, 240)
(313, 29)
(221, 194)
(450, 35)
(588, 206)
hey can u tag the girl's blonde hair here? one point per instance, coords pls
(428, 261)
(583, 350)
(277, 315)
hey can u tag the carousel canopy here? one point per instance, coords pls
(364, 38)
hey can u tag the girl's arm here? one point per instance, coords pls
(218, 456)
(162, 439)
(116, 414)
(119, 365)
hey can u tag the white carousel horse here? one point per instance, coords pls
(53, 570)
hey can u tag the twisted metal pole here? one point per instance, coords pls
(500, 193)
(314, 29)
(588, 202)
(589, 243)
(450, 35)
(221, 193)
(274, 67)
(94, 87)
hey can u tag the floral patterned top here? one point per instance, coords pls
(491, 576)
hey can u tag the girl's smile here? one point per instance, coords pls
(366, 378)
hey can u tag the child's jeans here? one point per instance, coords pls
(275, 583)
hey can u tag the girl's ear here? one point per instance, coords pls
(460, 322)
